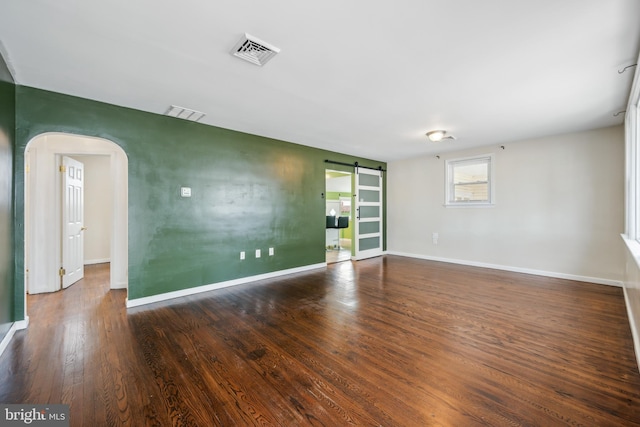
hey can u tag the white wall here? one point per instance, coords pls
(559, 208)
(340, 184)
(98, 208)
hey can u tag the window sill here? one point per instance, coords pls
(469, 205)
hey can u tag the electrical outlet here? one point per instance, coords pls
(270, 251)
(242, 255)
(434, 238)
(258, 253)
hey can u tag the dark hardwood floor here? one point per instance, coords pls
(389, 341)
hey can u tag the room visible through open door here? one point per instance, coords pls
(339, 221)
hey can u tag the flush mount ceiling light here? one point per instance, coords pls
(438, 135)
(184, 113)
(254, 50)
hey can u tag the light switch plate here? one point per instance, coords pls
(185, 191)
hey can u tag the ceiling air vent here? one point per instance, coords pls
(254, 50)
(184, 113)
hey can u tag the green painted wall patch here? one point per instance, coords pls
(7, 256)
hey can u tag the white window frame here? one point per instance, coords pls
(449, 184)
(632, 136)
(631, 234)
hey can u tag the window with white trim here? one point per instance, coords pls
(469, 181)
(632, 166)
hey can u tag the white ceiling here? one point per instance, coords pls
(367, 78)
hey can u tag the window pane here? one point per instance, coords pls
(471, 172)
(369, 227)
(476, 192)
(369, 211)
(369, 195)
(368, 180)
(369, 243)
(469, 181)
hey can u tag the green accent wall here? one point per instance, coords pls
(248, 193)
(7, 258)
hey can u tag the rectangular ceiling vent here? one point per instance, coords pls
(184, 113)
(254, 50)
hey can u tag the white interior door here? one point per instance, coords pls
(72, 221)
(368, 229)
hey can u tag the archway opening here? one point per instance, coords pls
(43, 206)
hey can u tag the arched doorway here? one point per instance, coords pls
(43, 207)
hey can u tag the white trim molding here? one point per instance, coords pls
(16, 326)
(205, 288)
(120, 285)
(635, 336)
(632, 214)
(596, 280)
(633, 247)
(22, 324)
(355, 258)
(7, 338)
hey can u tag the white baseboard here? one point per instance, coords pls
(588, 279)
(16, 326)
(22, 324)
(634, 330)
(96, 261)
(355, 258)
(7, 338)
(205, 288)
(119, 285)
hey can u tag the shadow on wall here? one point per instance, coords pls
(6, 236)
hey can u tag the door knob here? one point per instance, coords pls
(83, 228)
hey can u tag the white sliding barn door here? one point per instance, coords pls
(368, 229)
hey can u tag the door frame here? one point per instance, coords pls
(42, 234)
(350, 174)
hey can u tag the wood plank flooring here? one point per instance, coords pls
(389, 341)
(343, 253)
